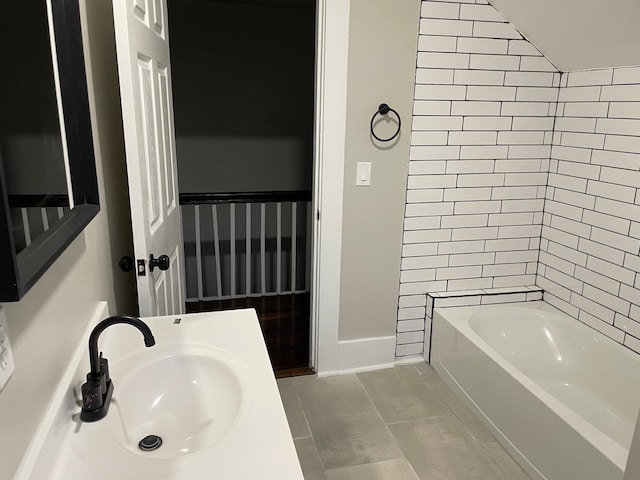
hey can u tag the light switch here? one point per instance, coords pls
(363, 176)
(6, 355)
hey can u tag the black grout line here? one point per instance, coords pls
(559, 176)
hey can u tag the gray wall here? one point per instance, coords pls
(382, 58)
(243, 79)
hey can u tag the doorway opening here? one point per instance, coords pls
(243, 74)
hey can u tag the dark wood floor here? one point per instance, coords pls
(285, 322)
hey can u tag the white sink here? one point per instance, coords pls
(206, 389)
(191, 400)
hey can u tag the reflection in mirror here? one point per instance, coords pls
(32, 148)
(48, 181)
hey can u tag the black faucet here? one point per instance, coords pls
(97, 391)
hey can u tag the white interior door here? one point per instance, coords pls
(142, 46)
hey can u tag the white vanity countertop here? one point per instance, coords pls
(259, 446)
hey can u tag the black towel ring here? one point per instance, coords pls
(384, 109)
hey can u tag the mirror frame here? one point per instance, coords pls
(19, 271)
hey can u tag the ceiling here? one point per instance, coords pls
(572, 34)
(579, 34)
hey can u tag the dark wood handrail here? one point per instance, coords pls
(245, 197)
(38, 200)
(61, 200)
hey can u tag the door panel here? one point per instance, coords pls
(167, 140)
(147, 110)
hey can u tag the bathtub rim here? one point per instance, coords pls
(458, 317)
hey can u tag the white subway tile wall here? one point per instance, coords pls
(589, 264)
(498, 138)
(484, 108)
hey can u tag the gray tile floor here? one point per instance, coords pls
(402, 423)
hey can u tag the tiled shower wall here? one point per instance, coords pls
(589, 259)
(484, 108)
(480, 178)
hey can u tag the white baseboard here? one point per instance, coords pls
(364, 354)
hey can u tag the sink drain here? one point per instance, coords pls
(150, 443)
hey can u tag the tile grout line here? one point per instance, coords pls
(304, 414)
(495, 459)
(465, 426)
(461, 421)
(386, 426)
(480, 443)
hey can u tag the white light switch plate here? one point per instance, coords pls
(6, 355)
(363, 175)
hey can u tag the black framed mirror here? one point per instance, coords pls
(48, 183)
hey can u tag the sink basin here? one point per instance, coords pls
(191, 400)
(193, 397)
(206, 389)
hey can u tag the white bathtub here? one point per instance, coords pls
(561, 397)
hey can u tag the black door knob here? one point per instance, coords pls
(126, 263)
(162, 262)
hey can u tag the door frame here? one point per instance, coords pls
(332, 51)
